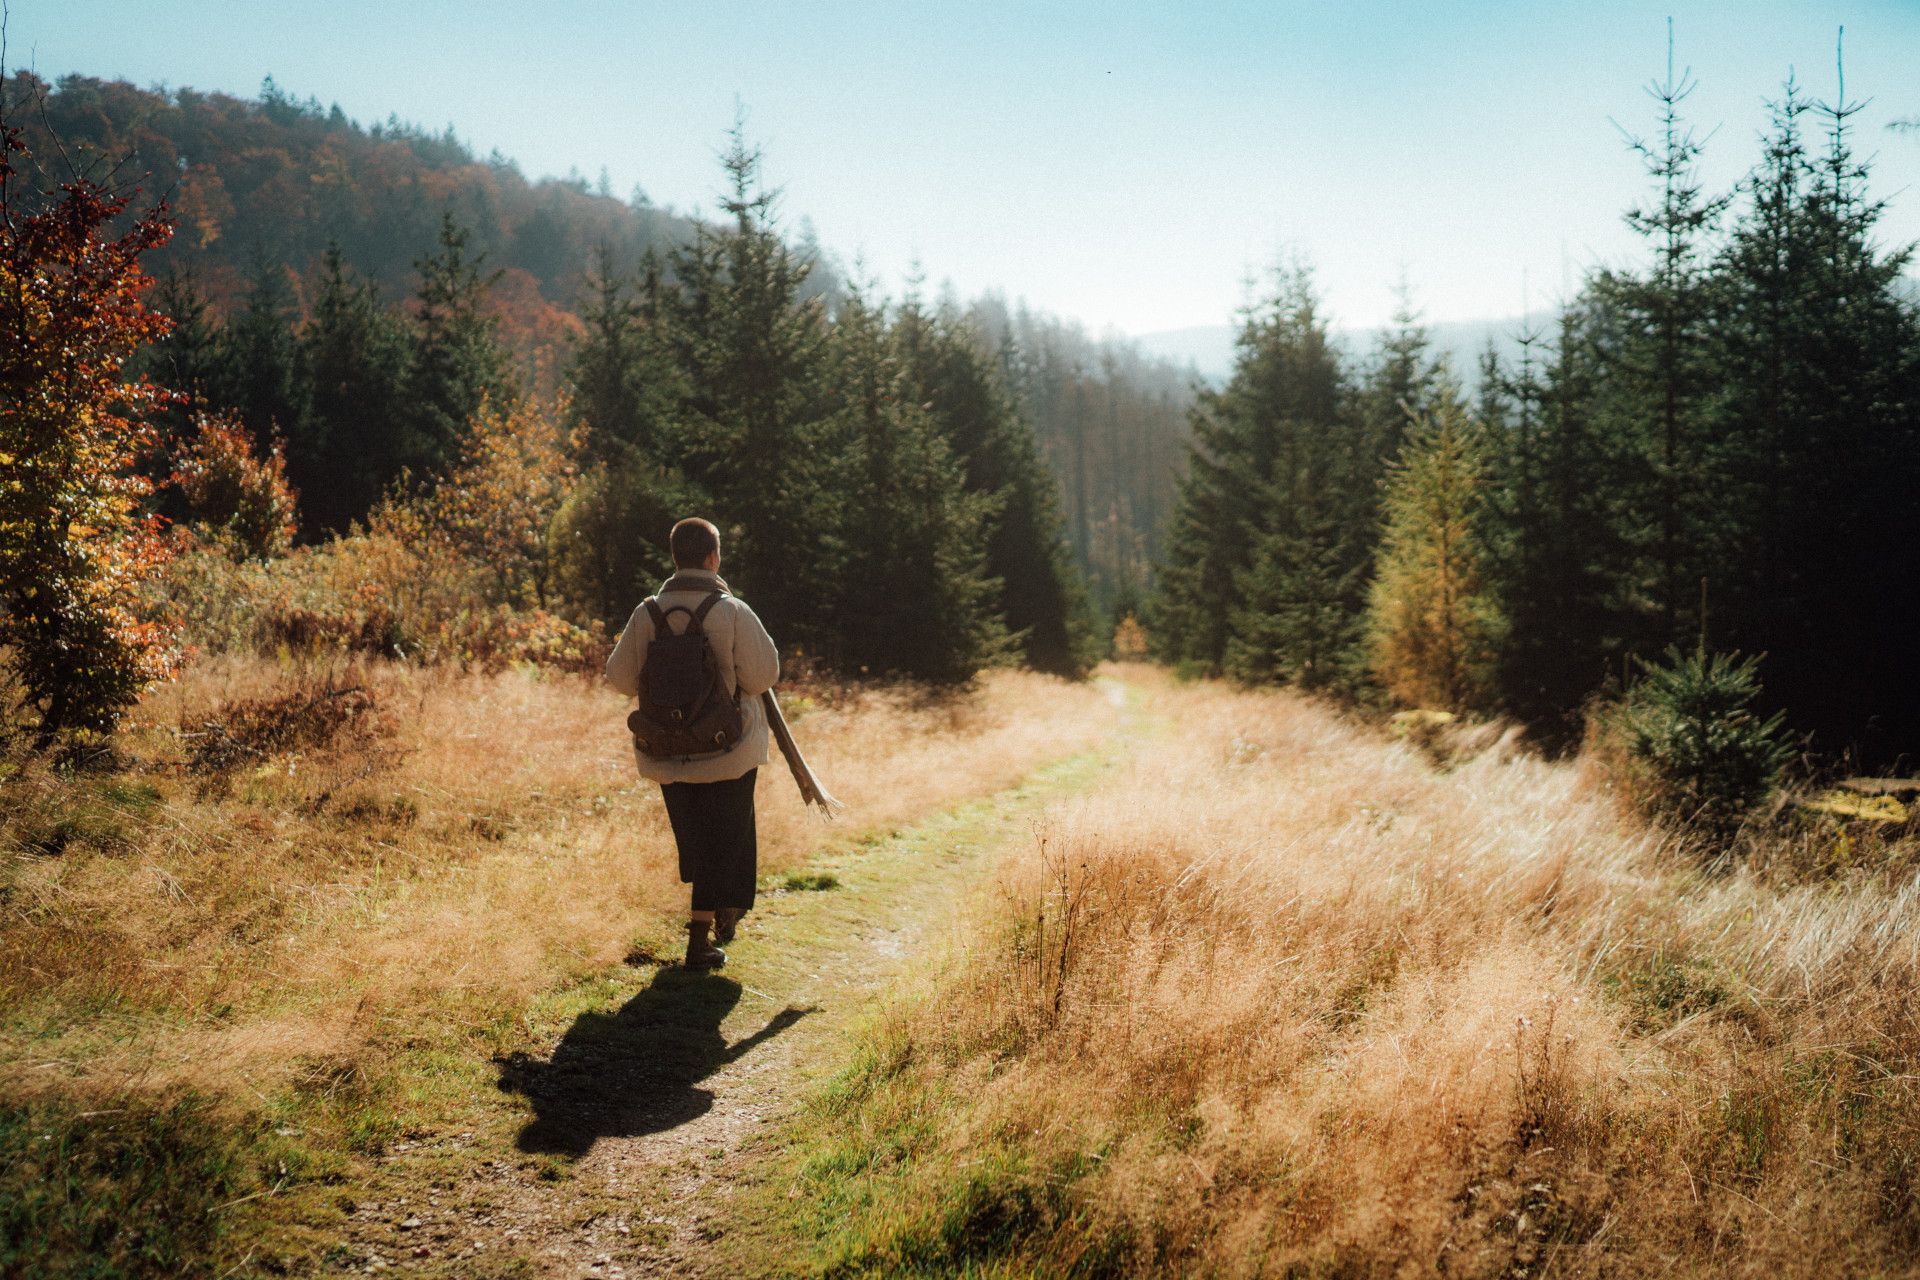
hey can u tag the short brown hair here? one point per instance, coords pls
(692, 541)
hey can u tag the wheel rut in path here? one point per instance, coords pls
(614, 1151)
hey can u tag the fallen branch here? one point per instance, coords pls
(810, 789)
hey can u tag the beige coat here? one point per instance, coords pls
(748, 663)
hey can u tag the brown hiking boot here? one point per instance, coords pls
(702, 954)
(725, 920)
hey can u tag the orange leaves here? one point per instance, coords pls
(498, 505)
(75, 542)
(242, 499)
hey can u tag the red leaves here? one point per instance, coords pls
(75, 542)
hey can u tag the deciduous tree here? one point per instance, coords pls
(75, 542)
(1433, 623)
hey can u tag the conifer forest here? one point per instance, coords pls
(1717, 450)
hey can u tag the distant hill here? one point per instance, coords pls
(276, 181)
(1208, 349)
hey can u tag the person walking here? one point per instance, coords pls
(708, 794)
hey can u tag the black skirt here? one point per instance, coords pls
(719, 849)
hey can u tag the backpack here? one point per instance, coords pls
(684, 709)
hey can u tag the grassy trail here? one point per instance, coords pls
(646, 1099)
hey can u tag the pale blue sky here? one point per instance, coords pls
(1121, 163)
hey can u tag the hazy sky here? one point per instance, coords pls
(1122, 163)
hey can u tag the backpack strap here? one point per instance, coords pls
(660, 616)
(699, 624)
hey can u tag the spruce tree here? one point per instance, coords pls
(754, 425)
(1433, 622)
(916, 598)
(626, 393)
(1041, 598)
(609, 537)
(1299, 611)
(1658, 384)
(1560, 560)
(355, 444)
(1264, 574)
(1402, 383)
(261, 377)
(1821, 423)
(186, 361)
(457, 360)
(623, 385)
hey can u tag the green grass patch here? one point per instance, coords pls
(810, 881)
(870, 1182)
(130, 1188)
(1662, 989)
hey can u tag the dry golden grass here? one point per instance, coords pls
(473, 839)
(1284, 999)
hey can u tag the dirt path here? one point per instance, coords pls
(615, 1151)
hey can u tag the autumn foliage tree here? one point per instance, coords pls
(1434, 623)
(75, 542)
(243, 501)
(498, 504)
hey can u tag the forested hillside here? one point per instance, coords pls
(1112, 423)
(278, 182)
(305, 240)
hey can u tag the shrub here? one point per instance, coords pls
(496, 509)
(1697, 751)
(244, 502)
(361, 594)
(313, 715)
(449, 574)
(1130, 640)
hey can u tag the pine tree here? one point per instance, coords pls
(916, 598)
(1042, 598)
(1434, 624)
(355, 442)
(456, 361)
(753, 427)
(261, 377)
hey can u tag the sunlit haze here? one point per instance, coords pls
(1122, 164)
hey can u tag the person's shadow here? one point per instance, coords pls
(635, 1071)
